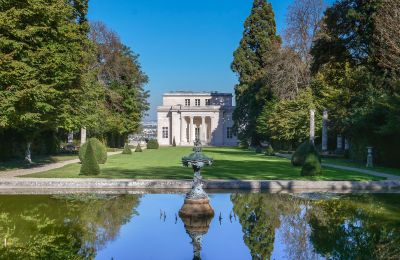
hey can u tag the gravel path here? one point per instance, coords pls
(40, 168)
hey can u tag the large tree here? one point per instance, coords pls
(259, 38)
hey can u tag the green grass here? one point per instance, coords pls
(347, 162)
(36, 161)
(229, 163)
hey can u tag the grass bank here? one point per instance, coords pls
(36, 161)
(229, 163)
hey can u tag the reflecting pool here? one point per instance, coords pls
(245, 226)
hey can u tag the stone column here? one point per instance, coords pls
(312, 125)
(212, 126)
(183, 129)
(191, 132)
(339, 146)
(325, 131)
(346, 144)
(70, 137)
(203, 129)
(83, 135)
(370, 163)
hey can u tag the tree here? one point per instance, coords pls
(90, 165)
(259, 37)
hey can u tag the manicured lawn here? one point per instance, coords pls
(37, 160)
(229, 163)
(347, 162)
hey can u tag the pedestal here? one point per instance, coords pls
(196, 208)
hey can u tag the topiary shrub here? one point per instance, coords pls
(244, 144)
(174, 142)
(269, 151)
(99, 149)
(302, 151)
(152, 144)
(127, 149)
(138, 148)
(311, 166)
(258, 149)
(89, 165)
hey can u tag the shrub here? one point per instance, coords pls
(127, 149)
(99, 149)
(152, 144)
(138, 148)
(174, 142)
(302, 151)
(269, 151)
(258, 149)
(311, 166)
(89, 165)
(244, 144)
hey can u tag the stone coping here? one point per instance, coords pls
(12, 184)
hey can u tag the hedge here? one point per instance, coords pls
(152, 144)
(99, 149)
(89, 164)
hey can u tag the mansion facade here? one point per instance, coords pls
(187, 116)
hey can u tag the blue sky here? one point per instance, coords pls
(183, 44)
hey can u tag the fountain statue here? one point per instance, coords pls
(196, 212)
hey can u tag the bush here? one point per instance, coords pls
(152, 144)
(311, 166)
(244, 144)
(174, 142)
(127, 149)
(302, 151)
(89, 165)
(138, 148)
(99, 149)
(258, 149)
(269, 151)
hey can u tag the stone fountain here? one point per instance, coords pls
(196, 212)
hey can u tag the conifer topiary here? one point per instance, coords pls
(173, 142)
(258, 149)
(138, 148)
(89, 165)
(311, 166)
(152, 144)
(127, 149)
(299, 156)
(99, 149)
(269, 151)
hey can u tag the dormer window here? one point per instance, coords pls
(197, 102)
(187, 102)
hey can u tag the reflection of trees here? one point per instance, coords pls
(357, 227)
(61, 227)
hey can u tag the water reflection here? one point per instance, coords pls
(246, 226)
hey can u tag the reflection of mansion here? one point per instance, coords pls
(186, 116)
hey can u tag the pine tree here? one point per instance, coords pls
(259, 38)
(89, 164)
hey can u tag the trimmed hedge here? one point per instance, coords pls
(89, 165)
(311, 166)
(152, 144)
(269, 151)
(138, 149)
(299, 156)
(127, 149)
(258, 149)
(99, 149)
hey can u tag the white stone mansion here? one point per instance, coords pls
(187, 115)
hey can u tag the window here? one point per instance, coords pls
(197, 133)
(197, 102)
(229, 133)
(208, 102)
(187, 102)
(165, 132)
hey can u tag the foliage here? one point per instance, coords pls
(90, 165)
(100, 150)
(173, 142)
(152, 144)
(127, 149)
(258, 149)
(269, 151)
(312, 165)
(301, 153)
(138, 148)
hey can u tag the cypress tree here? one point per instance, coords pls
(259, 38)
(173, 142)
(89, 164)
(138, 148)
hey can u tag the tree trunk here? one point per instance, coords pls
(28, 152)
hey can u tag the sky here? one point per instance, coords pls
(183, 44)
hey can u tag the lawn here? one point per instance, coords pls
(229, 163)
(36, 161)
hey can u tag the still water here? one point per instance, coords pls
(245, 226)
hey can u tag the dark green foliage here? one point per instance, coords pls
(152, 144)
(138, 149)
(302, 151)
(89, 165)
(127, 149)
(312, 165)
(258, 149)
(174, 142)
(269, 151)
(244, 144)
(100, 150)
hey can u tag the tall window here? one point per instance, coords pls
(229, 133)
(187, 102)
(165, 132)
(208, 102)
(197, 102)
(197, 133)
